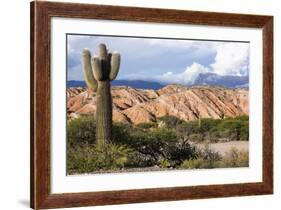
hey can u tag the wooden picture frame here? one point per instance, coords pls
(41, 14)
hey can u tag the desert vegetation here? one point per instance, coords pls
(167, 143)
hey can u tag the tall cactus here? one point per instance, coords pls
(98, 72)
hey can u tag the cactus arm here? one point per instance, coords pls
(108, 64)
(103, 55)
(97, 68)
(114, 65)
(102, 51)
(87, 70)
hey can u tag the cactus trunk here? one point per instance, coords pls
(103, 113)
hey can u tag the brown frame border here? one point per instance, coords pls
(41, 14)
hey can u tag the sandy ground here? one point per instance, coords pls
(224, 147)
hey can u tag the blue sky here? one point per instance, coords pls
(162, 60)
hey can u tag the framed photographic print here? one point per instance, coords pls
(140, 105)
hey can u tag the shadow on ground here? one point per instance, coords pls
(25, 203)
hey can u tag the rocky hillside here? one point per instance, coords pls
(187, 103)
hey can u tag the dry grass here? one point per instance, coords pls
(225, 147)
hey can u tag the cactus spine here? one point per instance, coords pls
(98, 72)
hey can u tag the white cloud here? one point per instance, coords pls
(187, 77)
(231, 59)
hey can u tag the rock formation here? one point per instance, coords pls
(187, 103)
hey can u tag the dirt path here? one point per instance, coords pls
(224, 147)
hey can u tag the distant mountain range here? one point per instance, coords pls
(224, 81)
(140, 84)
(210, 79)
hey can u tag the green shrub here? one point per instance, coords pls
(206, 158)
(170, 121)
(214, 130)
(196, 137)
(164, 163)
(180, 152)
(81, 131)
(147, 125)
(233, 129)
(121, 133)
(79, 159)
(110, 156)
(244, 131)
(187, 128)
(160, 143)
(154, 143)
(207, 124)
(244, 118)
(93, 158)
(194, 164)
